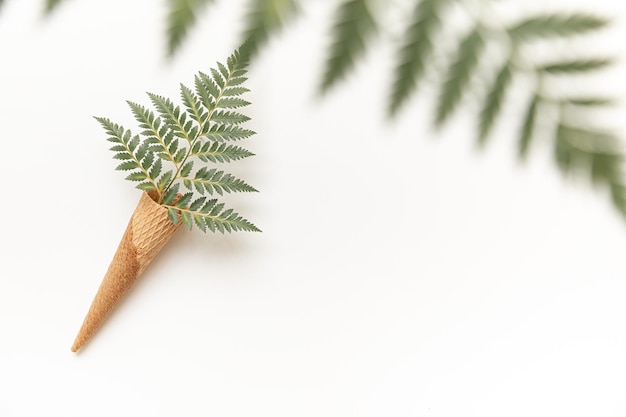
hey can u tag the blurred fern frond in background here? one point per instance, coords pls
(578, 147)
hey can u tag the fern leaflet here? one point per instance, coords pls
(353, 26)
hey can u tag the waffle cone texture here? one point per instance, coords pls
(148, 230)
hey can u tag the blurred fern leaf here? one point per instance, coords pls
(575, 66)
(264, 17)
(459, 74)
(354, 25)
(528, 127)
(493, 102)
(181, 17)
(417, 46)
(50, 5)
(555, 26)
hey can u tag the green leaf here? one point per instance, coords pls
(264, 17)
(164, 181)
(187, 219)
(416, 50)
(528, 127)
(228, 117)
(459, 75)
(181, 17)
(353, 29)
(575, 66)
(186, 169)
(184, 200)
(232, 103)
(147, 186)
(221, 152)
(170, 195)
(51, 5)
(156, 169)
(173, 215)
(193, 104)
(578, 150)
(137, 176)
(588, 101)
(548, 26)
(211, 180)
(228, 133)
(493, 102)
(172, 116)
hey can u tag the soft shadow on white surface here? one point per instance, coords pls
(399, 273)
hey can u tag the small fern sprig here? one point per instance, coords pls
(174, 138)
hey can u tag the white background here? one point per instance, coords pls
(399, 272)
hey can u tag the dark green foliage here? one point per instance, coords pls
(459, 74)
(354, 25)
(174, 138)
(415, 52)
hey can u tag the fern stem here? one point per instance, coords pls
(198, 135)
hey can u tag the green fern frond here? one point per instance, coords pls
(354, 25)
(528, 127)
(174, 118)
(265, 17)
(162, 157)
(156, 133)
(208, 214)
(493, 102)
(194, 106)
(549, 26)
(181, 17)
(219, 152)
(578, 65)
(224, 132)
(414, 54)
(135, 156)
(211, 180)
(459, 75)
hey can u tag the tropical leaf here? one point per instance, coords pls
(181, 16)
(354, 25)
(415, 52)
(459, 74)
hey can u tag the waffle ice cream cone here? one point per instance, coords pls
(148, 231)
